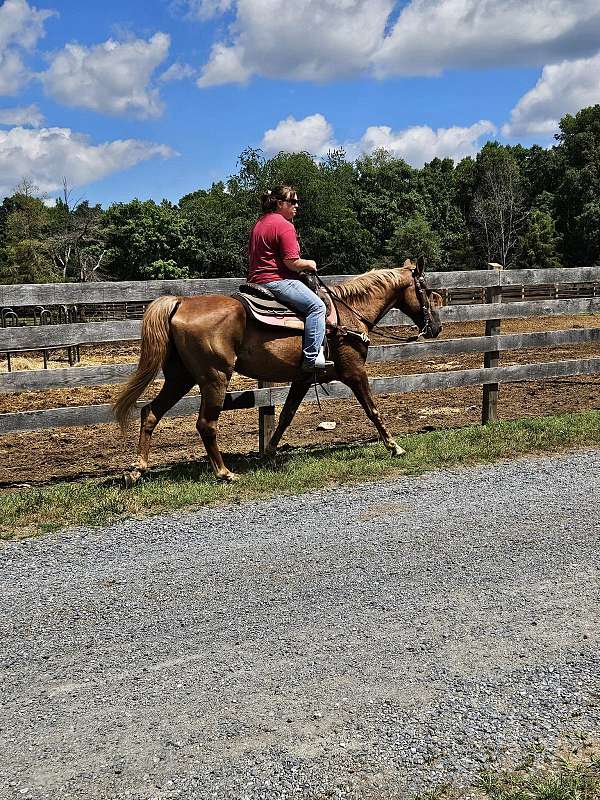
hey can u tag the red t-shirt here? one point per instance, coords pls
(272, 239)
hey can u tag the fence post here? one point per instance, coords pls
(491, 358)
(266, 421)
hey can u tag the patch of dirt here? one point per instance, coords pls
(70, 453)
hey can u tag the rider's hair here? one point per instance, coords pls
(269, 199)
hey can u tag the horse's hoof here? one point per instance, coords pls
(228, 477)
(396, 450)
(129, 478)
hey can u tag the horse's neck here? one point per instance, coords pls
(374, 304)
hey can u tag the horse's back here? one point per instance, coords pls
(208, 323)
(204, 311)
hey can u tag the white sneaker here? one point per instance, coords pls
(320, 363)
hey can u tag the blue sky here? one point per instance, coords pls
(156, 99)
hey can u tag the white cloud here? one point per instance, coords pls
(226, 65)
(177, 72)
(562, 89)
(345, 37)
(312, 134)
(112, 77)
(416, 145)
(13, 73)
(419, 144)
(22, 115)
(305, 40)
(21, 25)
(49, 154)
(432, 35)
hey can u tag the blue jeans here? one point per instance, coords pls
(295, 294)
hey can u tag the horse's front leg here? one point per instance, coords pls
(359, 383)
(296, 394)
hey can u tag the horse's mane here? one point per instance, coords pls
(374, 279)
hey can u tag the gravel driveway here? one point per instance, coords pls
(365, 641)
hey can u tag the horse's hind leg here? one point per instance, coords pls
(359, 384)
(178, 382)
(213, 397)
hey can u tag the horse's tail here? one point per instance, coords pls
(153, 351)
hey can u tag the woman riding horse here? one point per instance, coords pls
(202, 339)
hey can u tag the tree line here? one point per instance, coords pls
(513, 205)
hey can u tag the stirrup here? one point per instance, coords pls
(320, 363)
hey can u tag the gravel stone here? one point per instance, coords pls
(359, 642)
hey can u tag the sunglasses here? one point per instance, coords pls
(292, 202)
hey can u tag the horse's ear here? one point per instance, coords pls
(408, 264)
(420, 265)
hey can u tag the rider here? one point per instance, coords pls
(274, 256)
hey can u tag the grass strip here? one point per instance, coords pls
(564, 780)
(31, 511)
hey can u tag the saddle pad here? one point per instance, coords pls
(269, 311)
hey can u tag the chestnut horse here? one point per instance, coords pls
(202, 339)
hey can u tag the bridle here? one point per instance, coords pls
(421, 291)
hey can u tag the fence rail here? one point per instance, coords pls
(30, 338)
(48, 294)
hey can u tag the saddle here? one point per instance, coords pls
(262, 305)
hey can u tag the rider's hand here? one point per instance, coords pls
(311, 266)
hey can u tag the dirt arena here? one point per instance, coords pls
(70, 453)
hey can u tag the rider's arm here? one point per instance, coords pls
(298, 264)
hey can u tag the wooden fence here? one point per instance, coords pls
(491, 345)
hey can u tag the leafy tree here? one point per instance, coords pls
(386, 195)
(440, 189)
(219, 223)
(537, 247)
(142, 237)
(415, 238)
(576, 196)
(77, 240)
(27, 257)
(497, 211)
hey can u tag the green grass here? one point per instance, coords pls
(33, 511)
(565, 780)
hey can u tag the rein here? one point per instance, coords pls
(372, 327)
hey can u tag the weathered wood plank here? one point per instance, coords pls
(47, 294)
(101, 375)
(29, 380)
(76, 416)
(256, 398)
(480, 344)
(536, 277)
(482, 279)
(463, 377)
(529, 308)
(39, 337)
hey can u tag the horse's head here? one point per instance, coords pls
(419, 302)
